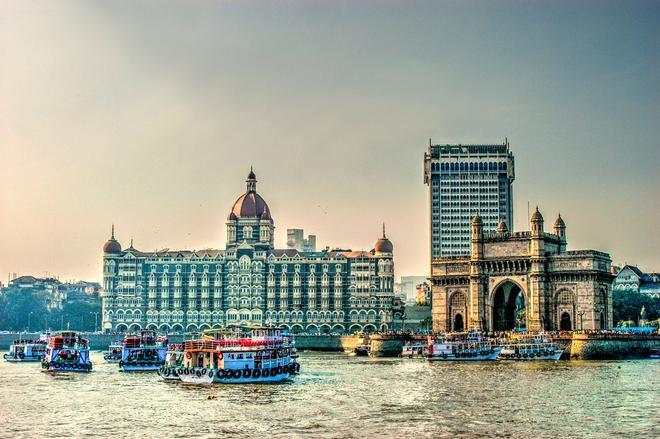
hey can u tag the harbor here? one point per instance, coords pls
(336, 395)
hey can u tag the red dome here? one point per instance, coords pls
(112, 246)
(250, 205)
(383, 245)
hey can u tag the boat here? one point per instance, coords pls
(27, 350)
(173, 360)
(144, 352)
(415, 350)
(530, 347)
(361, 350)
(462, 346)
(113, 355)
(67, 352)
(654, 354)
(253, 354)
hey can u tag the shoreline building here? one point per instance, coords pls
(248, 283)
(464, 180)
(521, 280)
(631, 278)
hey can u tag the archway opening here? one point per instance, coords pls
(565, 323)
(603, 323)
(458, 322)
(509, 308)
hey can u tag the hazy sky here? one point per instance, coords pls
(149, 115)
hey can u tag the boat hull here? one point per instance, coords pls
(11, 359)
(555, 356)
(169, 374)
(491, 356)
(214, 376)
(78, 368)
(139, 368)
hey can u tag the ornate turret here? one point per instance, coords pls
(112, 246)
(249, 221)
(476, 237)
(537, 222)
(502, 227)
(559, 229)
(537, 242)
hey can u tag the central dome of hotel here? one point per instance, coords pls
(250, 204)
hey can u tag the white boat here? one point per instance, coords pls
(27, 350)
(67, 352)
(530, 347)
(113, 355)
(173, 361)
(464, 346)
(415, 350)
(245, 355)
(144, 352)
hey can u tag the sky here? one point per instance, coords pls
(149, 114)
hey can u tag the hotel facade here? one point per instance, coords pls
(249, 282)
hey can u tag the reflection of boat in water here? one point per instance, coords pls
(27, 350)
(464, 346)
(246, 355)
(144, 352)
(415, 350)
(67, 352)
(530, 347)
(362, 350)
(173, 361)
(113, 355)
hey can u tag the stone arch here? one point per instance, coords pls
(192, 328)
(177, 328)
(565, 310)
(204, 327)
(457, 310)
(355, 328)
(508, 302)
(338, 328)
(122, 327)
(604, 307)
(135, 327)
(296, 328)
(325, 328)
(312, 328)
(369, 328)
(164, 328)
(152, 326)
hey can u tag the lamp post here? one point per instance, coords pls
(29, 316)
(96, 319)
(581, 313)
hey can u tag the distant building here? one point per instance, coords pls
(408, 287)
(296, 240)
(250, 282)
(465, 180)
(631, 278)
(56, 292)
(522, 280)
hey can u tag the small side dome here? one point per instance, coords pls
(476, 220)
(536, 216)
(559, 222)
(502, 227)
(383, 245)
(112, 245)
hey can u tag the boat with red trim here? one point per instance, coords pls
(144, 352)
(23, 350)
(252, 354)
(462, 346)
(67, 352)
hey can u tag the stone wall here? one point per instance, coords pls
(585, 347)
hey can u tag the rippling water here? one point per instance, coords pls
(341, 396)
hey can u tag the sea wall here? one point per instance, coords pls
(332, 343)
(612, 347)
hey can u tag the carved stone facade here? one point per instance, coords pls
(521, 280)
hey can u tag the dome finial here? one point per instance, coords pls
(384, 237)
(251, 181)
(112, 234)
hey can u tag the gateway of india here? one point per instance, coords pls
(521, 280)
(248, 283)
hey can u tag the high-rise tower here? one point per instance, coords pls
(465, 180)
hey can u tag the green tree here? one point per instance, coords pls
(627, 304)
(20, 306)
(77, 314)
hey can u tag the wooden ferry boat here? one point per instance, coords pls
(67, 352)
(173, 361)
(530, 347)
(464, 346)
(145, 352)
(415, 350)
(27, 350)
(244, 355)
(113, 355)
